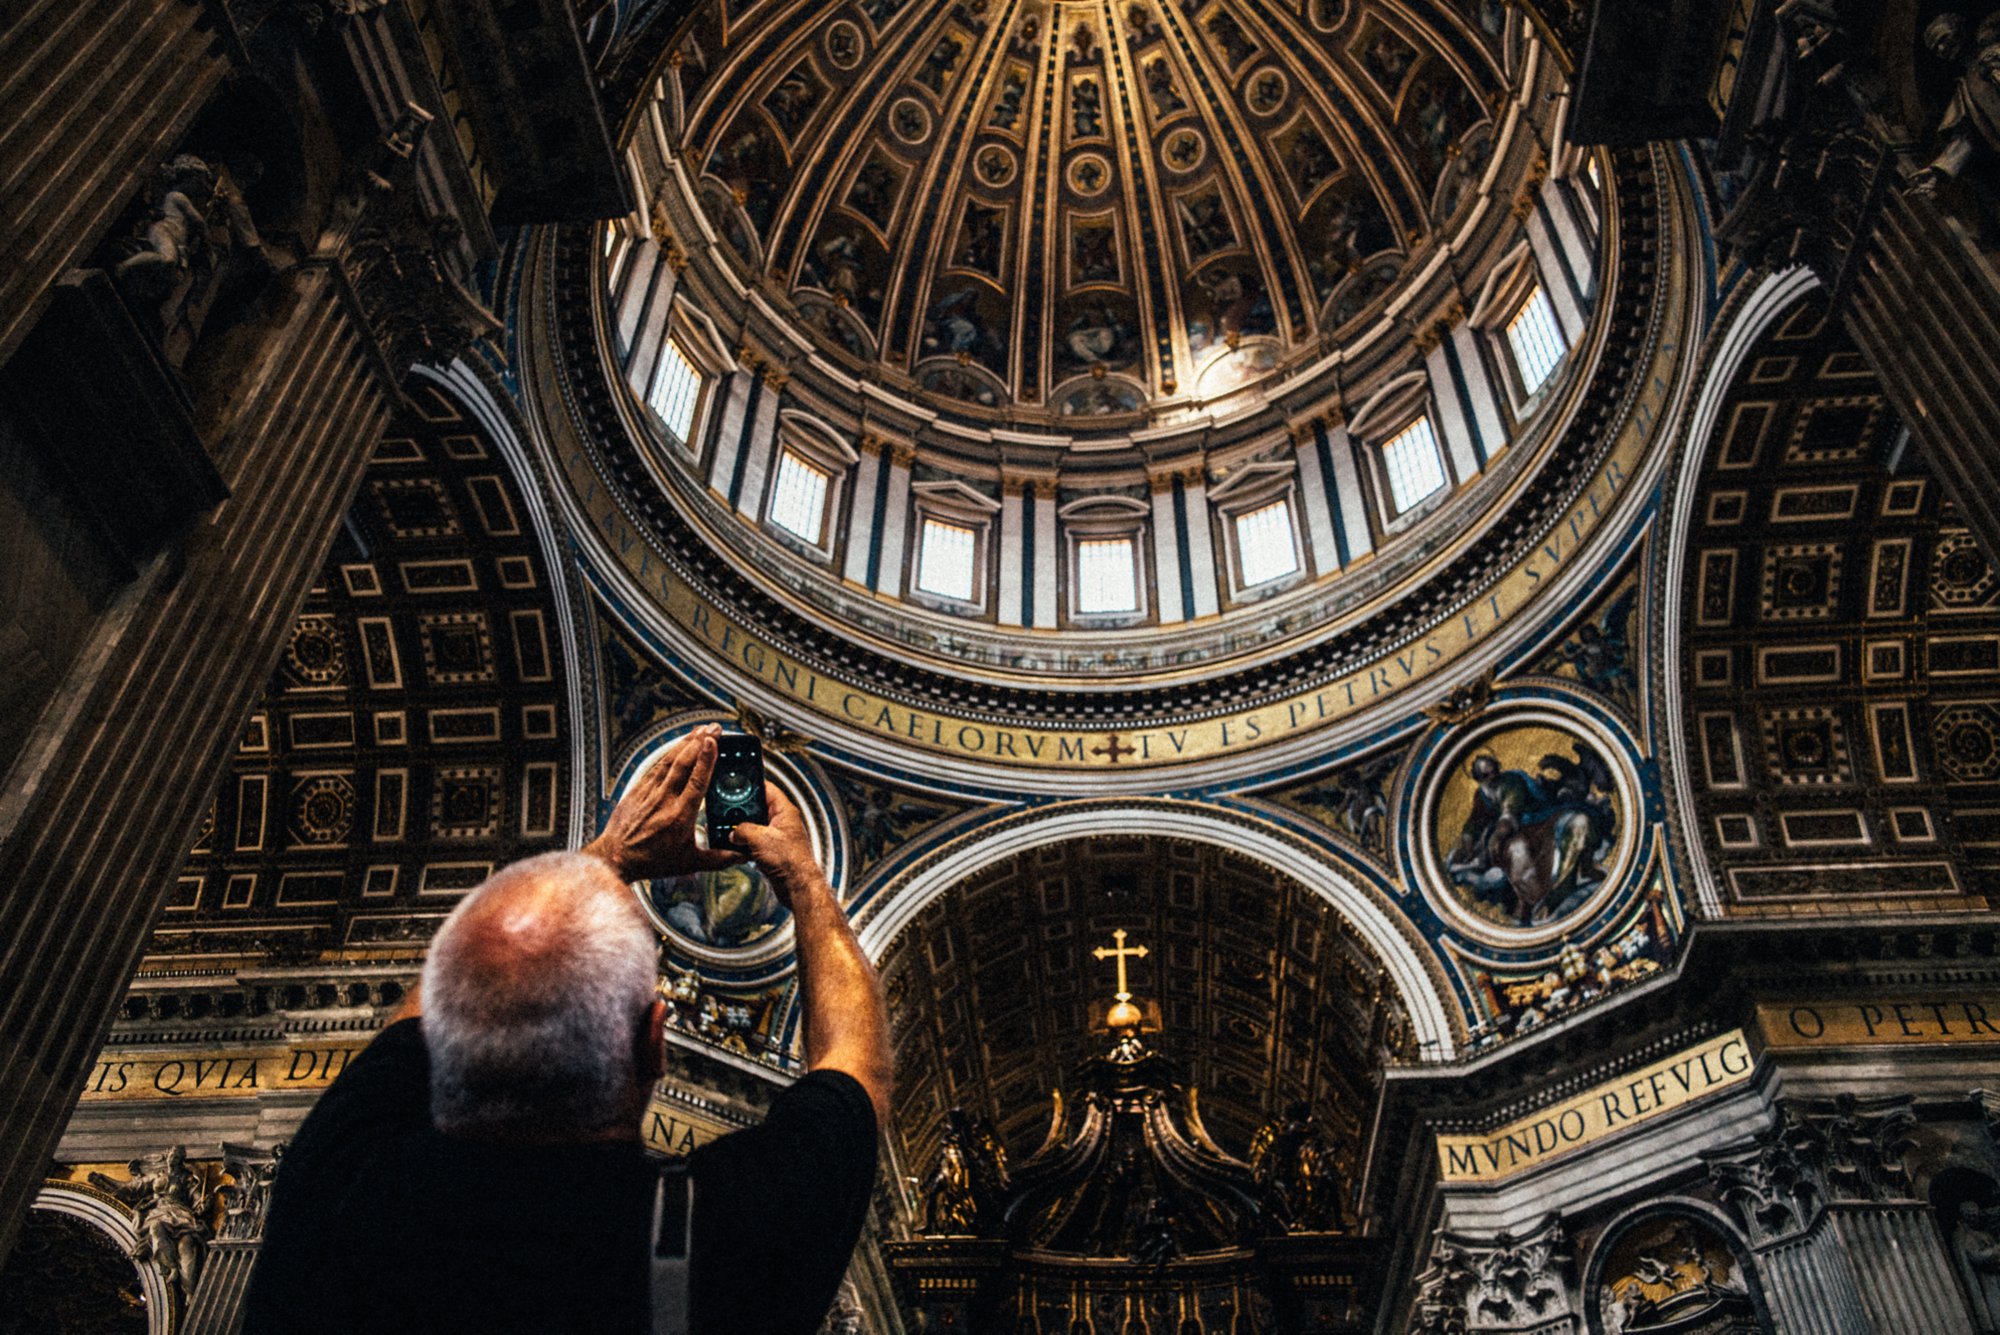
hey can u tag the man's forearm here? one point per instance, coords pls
(846, 1020)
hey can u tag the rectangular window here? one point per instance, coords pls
(1264, 546)
(1107, 577)
(945, 560)
(1536, 339)
(798, 497)
(1415, 469)
(676, 391)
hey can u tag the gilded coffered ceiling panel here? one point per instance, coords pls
(415, 734)
(1841, 634)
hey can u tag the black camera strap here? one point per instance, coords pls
(673, 1245)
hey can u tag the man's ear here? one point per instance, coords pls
(653, 1043)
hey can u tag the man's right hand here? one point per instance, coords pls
(782, 849)
(651, 833)
(846, 1022)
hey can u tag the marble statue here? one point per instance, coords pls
(173, 1208)
(1970, 127)
(1975, 1245)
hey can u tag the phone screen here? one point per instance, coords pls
(736, 788)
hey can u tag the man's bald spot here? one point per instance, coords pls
(521, 929)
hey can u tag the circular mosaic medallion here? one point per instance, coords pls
(1089, 174)
(1183, 151)
(1527, 821)
(1326, 15)
(324, 810)
(844, 46)
(1265, 92)
(994, 166)
(910, 120)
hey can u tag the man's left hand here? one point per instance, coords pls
(651, 832)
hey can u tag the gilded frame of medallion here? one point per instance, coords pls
(1452, 748)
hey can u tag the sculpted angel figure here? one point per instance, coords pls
(173, 1214)
(1970, 127)
(1975, 1243)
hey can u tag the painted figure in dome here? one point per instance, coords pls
(1534, 843)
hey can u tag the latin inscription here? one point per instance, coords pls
(670, 1127)
(209, 1075)
(1908, 1022)
(1598, 1112)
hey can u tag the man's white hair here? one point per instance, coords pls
(546, 1044)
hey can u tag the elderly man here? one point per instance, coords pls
(479, 1167)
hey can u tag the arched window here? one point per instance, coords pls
(798, 496)
(1257, 509)
(1535, 339)
(947, 558)
(1411, 462)
(1104, 537)
(1107, 575)
(676, 391)
(1266, 542)
(954, 545)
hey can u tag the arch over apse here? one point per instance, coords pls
(1771, 299)
(93, 1208)
(896, 903)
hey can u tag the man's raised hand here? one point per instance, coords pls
(651, 832)
(783, 849)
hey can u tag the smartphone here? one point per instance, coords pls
(736, 788)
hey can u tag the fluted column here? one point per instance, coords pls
(93, 94)
(1926, 314)
(1904, 1278)
(1839, 1243)
(106, 816)
(1809, 1285)
(1892, 1243)
(217, 1305)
